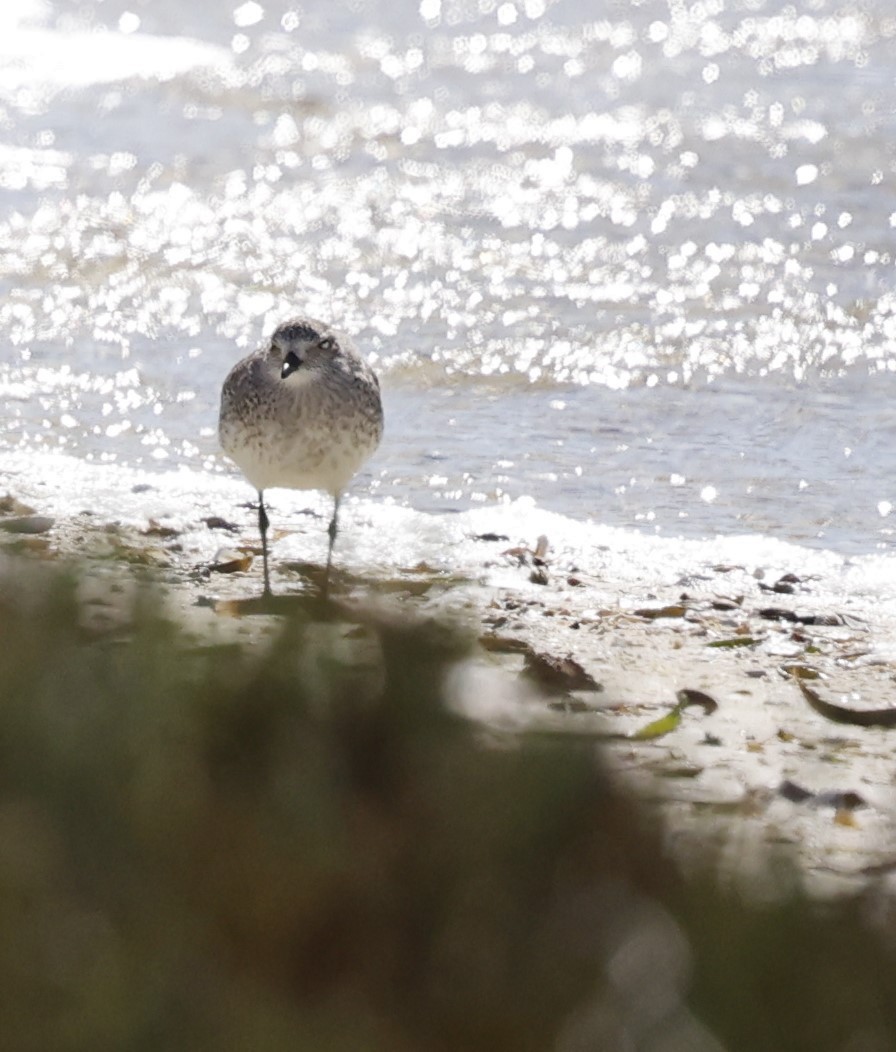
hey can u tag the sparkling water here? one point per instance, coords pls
(631, 261)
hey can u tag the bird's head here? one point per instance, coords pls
(299, 348)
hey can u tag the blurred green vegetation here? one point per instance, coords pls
(299, 845)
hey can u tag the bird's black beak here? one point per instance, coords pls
(290, 363)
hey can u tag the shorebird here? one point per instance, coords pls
(302, 412)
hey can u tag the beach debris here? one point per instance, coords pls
(778, 613)
(158, 529)
(535, 557)
(793, 792)
(491, 537)
(799, 671)
(681, 770)
(733, 642)
(299, 604)
(842, 713)
(672, 719)
(725, 603)
(689, 696)
(10, 505)
(526, 556)
(572, 705)
(128, 548)
(839, 799)
(558, 673)
(231, 560)
(29, 524)
(657, 728)
(215, 522)
(422, 567)
(785, 585)
(496, 644)
(653, 613)
(845, 817)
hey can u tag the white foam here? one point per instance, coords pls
(619, 565)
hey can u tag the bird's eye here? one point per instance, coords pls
(290, 363)
(327, 343)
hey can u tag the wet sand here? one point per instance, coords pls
(755, 711)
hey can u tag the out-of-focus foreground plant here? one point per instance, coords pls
(301, 846)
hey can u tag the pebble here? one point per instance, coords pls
(230, 560)
(28, 524)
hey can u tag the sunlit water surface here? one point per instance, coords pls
(634, 261)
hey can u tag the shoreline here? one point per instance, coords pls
(694, 680)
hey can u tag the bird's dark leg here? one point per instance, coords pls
(263, 524)
(332, 530)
